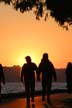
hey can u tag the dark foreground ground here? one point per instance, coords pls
(59, 99)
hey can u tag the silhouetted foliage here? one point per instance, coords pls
(60, 10)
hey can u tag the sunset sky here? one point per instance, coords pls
(22, 35)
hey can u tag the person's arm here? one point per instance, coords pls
(55, 76)
(39, 72)
(2, 76)
(22, 72)
(36, 69)
(54, 72)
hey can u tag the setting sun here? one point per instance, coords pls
(34, 56)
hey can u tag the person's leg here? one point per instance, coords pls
(48, 92)
(0, 92)
(43, 90)
(32, 90)
(27, 90)
(69, 87)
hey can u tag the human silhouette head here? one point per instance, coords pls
(45, 56)
(0, 65)
(28, 59)
(69, 64)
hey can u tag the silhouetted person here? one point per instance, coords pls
(48, 71)
(69, 76)
(2, 78)
(28, 73)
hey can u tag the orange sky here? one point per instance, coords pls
(21, 35)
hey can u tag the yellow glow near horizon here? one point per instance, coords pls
(21, 60)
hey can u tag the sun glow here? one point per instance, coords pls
(34, 57)
(22, 35)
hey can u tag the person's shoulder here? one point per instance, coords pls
(49, 61)
(1, 65)
(51, 64)
(24, 64)
(34, 64)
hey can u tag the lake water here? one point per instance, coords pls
(15, 87)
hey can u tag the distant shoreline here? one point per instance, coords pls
(12, 74)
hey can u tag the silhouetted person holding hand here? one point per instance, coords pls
(48, 71)
(69, 77)
(28, 75)
(2, 78)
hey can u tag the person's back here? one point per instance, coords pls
(28, 71)
(48, 71)
(2, 78)
(28, 75)
(69, 76)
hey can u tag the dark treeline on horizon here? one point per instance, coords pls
(18, 66)
(12, 73)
